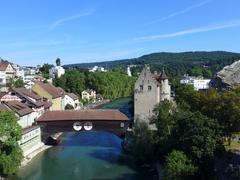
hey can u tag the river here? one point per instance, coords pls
(85, 156)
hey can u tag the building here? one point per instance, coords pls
(71, 99)
(89, 94)
(31, 134)
(56, 72)
(129, 71)
(19, 71)
(3, 82)
(29, 70)
(97, 69)
(149, 90)
(50, 92)
(198, 82)
(8, 69)
(37, 103)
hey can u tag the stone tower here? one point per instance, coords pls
(149, 90)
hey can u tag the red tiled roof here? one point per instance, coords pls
(47, 104)
(27, 92)
(72, 95)
(52, 90)
(61, 90)
(19, 108)
(2, 94)
(81, 115)
(3, 65)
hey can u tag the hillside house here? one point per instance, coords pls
(89, 94)
(50, 92)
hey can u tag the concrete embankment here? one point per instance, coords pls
(29, 157)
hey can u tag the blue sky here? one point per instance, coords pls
(39, 31)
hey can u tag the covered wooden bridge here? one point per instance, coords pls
(84, 120)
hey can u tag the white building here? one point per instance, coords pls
(97, 69)
(71, 99)
(3, 82)
(129, 71)
(31, 135)
(198, 82)
(149, 90)
(89, 94)
(56, 72)
(7, 68)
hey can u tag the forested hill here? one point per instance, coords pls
(197, 57)
(200, 63)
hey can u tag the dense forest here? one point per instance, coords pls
(199, 63)
(194, 135)
(111, 85)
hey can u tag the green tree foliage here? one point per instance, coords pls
(175, 64)
(109, 84)
(58, 62)
(223, 106)
(72, 81)
(18, 83)
(191, 132)
(178, 166)
(143, 144)
(15, 83)
(10, 152)
(45, 68)
(69, 107)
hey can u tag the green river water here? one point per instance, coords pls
(85, 156)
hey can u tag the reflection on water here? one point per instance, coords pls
(85, 155)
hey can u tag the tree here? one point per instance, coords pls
(178, 166)
(69, 107)
(142, 147)
(58, 62)
(45, 68)
(165, 121)
(18, 83)
(199, 137)
(10, 152)
(196, 135)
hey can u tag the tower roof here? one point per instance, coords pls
(163, 75)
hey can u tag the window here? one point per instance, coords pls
(149, 88)
(141, 87)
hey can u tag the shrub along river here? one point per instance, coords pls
(85, 155)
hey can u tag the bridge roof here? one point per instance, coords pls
(82, 115)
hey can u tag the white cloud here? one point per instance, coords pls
(190, 31)
(183, 11)
(70, 18)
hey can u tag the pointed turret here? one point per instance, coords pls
(163, 75)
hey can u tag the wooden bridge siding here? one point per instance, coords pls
(67, 126)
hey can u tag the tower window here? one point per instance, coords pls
(149, 88)
(141, 87)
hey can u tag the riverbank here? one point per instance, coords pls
(27, 159)
(97, 104)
